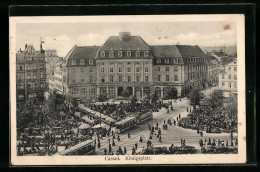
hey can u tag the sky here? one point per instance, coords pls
(63, 36)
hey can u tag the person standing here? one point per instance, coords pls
(136, 145)
(125, 151)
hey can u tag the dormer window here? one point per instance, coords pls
(91, 61)
(102, 54)
(73, 62)
(167, 61)
(120, 53)
(137, 53)
(82, 62)
(158, 60)
(111, 54)
(146, 54)
(128, 53)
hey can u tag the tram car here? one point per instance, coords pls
(84, 148)
(125, 124)
(144, 116)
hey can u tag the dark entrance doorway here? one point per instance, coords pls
(120, 90)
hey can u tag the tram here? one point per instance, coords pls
(125, 124)
(83, 148)
(144, 116)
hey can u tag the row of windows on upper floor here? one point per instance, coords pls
(229, 76)
(129, 69)
(195, 59)
(123, 53)
(29, 67)
(31, 58)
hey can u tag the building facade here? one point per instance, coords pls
(127, 62)
(30, 73)
(228, 77)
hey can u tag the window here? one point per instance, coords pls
(128, 69)
(223, 76)
(34, 76)
(137, 78)
(159, 78)
(73, 80)
(120, 70)
(91, 79)
(175, 69)
(29, 84)
(34, 67)
(176, 77)
(146, 54)
(129, 78)
(21, 67)
(167, 69)
(235, 85)
(82, 80)
(235, 68)
(120, 53)
(230, 85)
(167, 61)
(21, 86)
(111, 54)
(146, 69)
(102, 53)
(158, 69)
(128, 53)
(146, 78)
(102, 70)
(84, 91)
(103, 79)
(92, 91)
(91, 61)
(138, 69)
(29, 76)
(82, 70)
(229, 68)
(29, 67)
(73, 62)
(223, 83)
(82, 61)
(235, 77)
(120, 79)
(158, 60)
(111, 79)
(137, 53)
(229, 76)
(167, 78)
(111, 90)
(111, 70)
(74, 91)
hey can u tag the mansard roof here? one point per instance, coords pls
(132, 43)
(83, 52)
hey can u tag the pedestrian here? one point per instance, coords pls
(160, 139)
(109, 148)
(190, 110)
(128, 135)
(125, 151)
(113, 143)
(179, 116)
(105, 151)
(136, 145)
(133, 151)
(118, 138)
(187, 109)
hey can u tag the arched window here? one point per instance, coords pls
(146, 54)
(84, 91)
(82, 61)
(102, 54)
(91, 61)
(128, 53)
(111, 54)
(137, 53)
(120, 53)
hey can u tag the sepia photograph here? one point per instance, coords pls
(143, 89)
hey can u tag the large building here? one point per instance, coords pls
(30, 73)
(127, 62)
(228, 77)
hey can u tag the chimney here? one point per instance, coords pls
(25, 46)
(124, 36)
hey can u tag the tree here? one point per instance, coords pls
(216, 99)
(172, 93)
(195, 96)
(126, 93)
(74, 101)
(134, 100)
(155, 98)
(58, 99)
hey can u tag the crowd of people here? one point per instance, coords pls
(211, 120)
